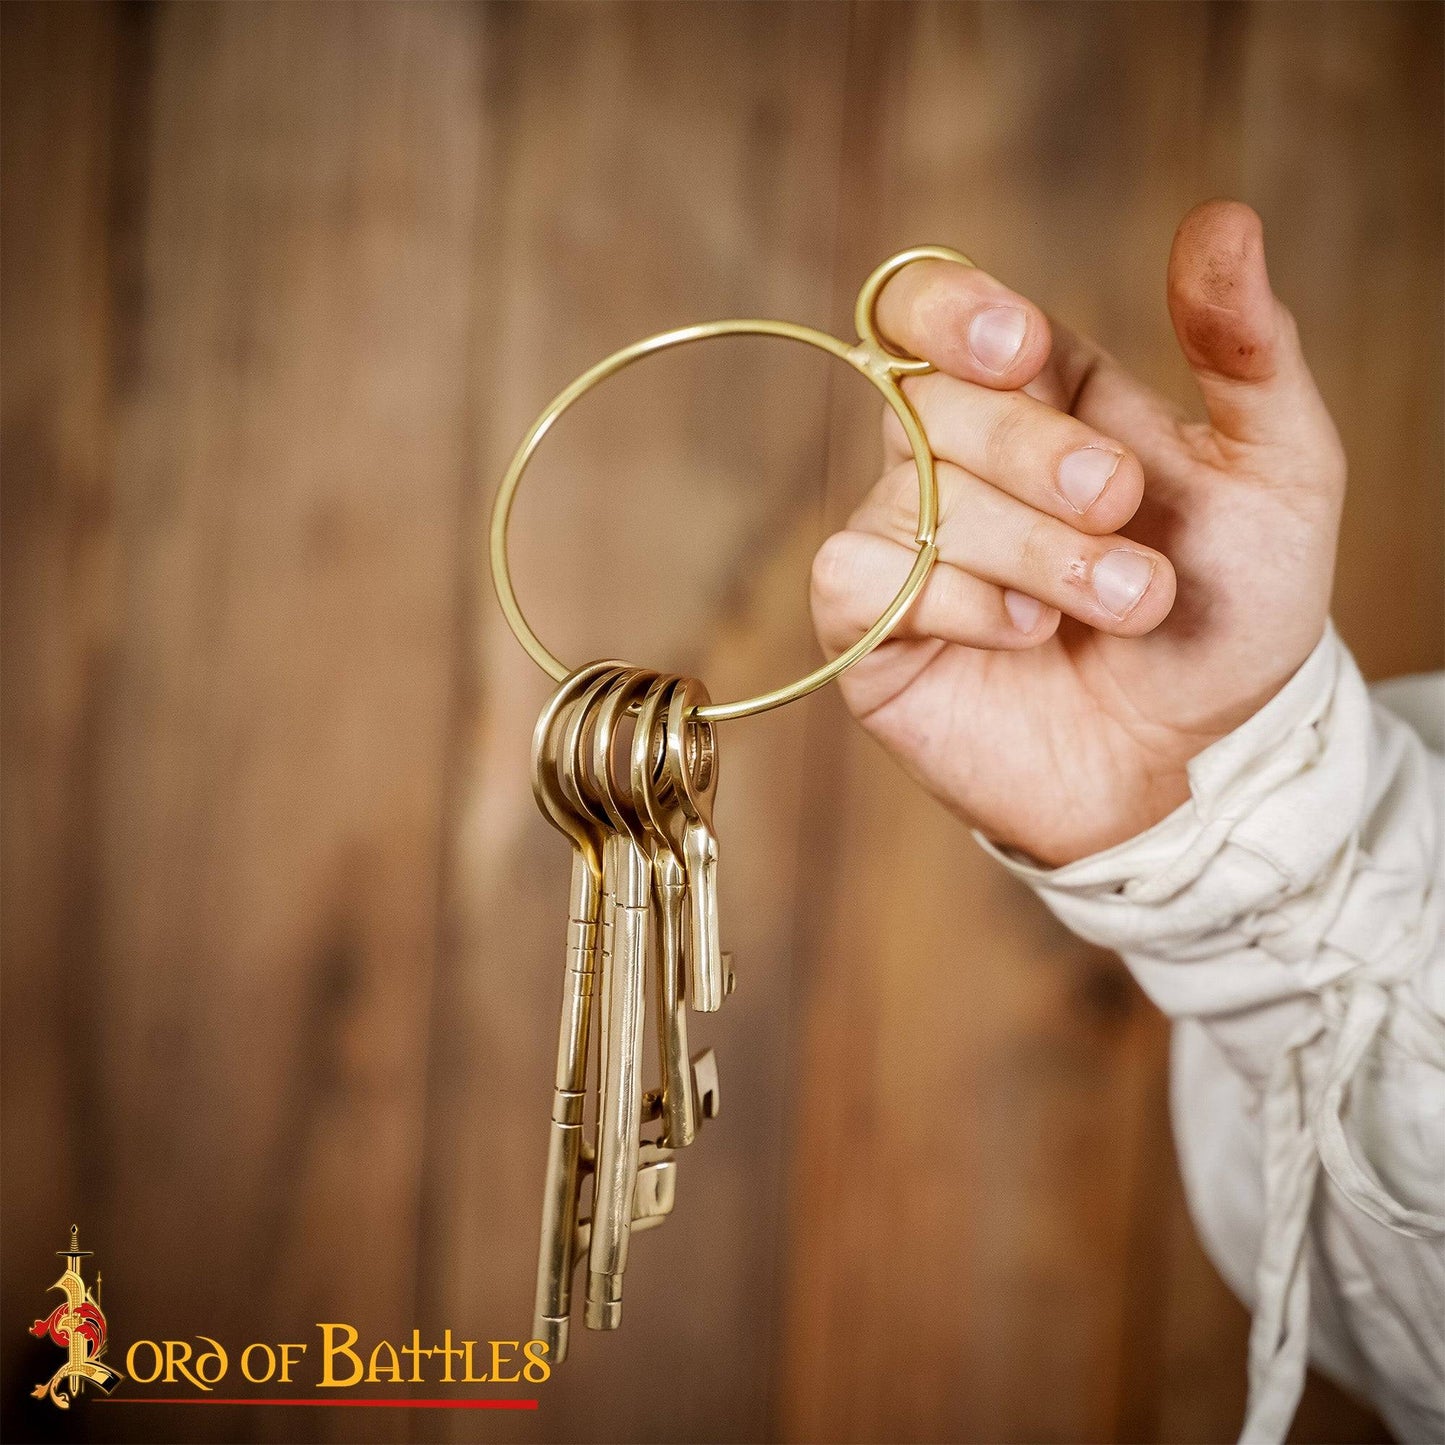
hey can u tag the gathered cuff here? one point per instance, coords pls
(1259, 857)
(1293, 905)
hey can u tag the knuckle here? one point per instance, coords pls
(1003, 436)
(1038, 549)
(834, 565)
(896, 496)
(941, 305)
(953, 606)
(929, 393)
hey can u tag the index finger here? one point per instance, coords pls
(965, 322)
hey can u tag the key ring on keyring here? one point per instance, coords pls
(868, 356)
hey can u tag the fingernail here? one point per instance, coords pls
(1083, 474)
(1120, 578)
(995, 335)
(1024, 611)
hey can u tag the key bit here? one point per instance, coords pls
(705, 1085)
(656, 1190)
(652, 1199)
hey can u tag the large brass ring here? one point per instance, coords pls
(882, 366)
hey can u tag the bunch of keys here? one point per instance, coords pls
(624, 762)
(624, 768)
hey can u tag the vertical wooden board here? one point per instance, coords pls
(971, 1075)
(289, 451)
(57, 164)
(1343, 149)
(1200, 1333)
(660, 166)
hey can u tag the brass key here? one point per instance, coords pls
(692, 774)
(626, 905)
(655, 1187)
(669, 882)
(560, 1199)
(652, 1200)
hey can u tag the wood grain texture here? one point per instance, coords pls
(56, 557)
(281, 286)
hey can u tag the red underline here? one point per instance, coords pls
(333, 1404)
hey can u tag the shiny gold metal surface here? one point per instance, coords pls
(565, 1145)
(869, 356)
(669, 939)
(692, 768)
(626, 905)
(619, 801)
(643, 904)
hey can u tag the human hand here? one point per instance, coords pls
(1117, 587)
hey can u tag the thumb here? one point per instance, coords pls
(1240, 341)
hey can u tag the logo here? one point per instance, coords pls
(78, 1327)
(338, 1361)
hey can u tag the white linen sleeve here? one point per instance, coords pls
(1289, 919)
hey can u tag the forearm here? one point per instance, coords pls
(1292, 912)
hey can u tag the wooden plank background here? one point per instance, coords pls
(282, 928)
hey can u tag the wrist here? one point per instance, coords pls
(1157, 800)
(1074, 833)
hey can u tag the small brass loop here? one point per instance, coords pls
(865, 312)
(869, 357)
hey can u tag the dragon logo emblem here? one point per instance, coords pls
(78, 1327)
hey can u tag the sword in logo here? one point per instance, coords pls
(78, 1327)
